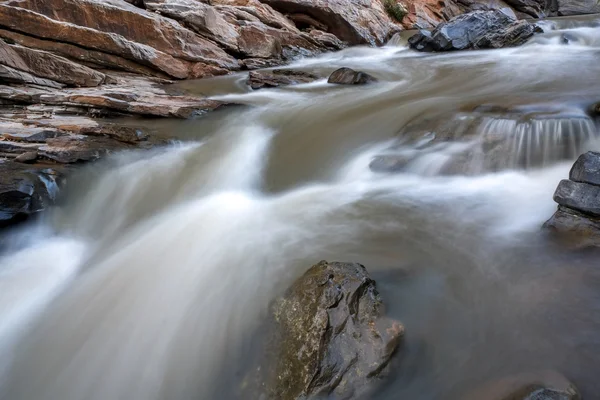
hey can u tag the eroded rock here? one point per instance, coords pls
(278, 77)
(475, 30)
(331, 336)
(348, 76)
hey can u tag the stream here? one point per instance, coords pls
(150, 278)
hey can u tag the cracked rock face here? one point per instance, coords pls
(331, 337)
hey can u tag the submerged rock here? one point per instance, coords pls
(331, 337)
(278, 77)
(475, 30)
(348, 76)
(544, 385)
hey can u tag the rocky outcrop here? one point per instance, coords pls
(278, 77)
(476, 30)
(330, 338)
(576, 7)
(578, 216)
(353, 21)
(348, 76)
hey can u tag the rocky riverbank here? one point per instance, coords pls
(67, 64)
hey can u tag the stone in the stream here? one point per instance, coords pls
(586, 169)
(348, 76)
(543, 385)
(388, 163)
(24, 190)
(579, 196)
(331, 338)
(475, 30)
(27, 158)
(278, 77)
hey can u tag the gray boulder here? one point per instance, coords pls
(475, 30)
(586, 169)
(579, 196)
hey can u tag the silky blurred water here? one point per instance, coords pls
(151, 276)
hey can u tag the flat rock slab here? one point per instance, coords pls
(579, 196)
(278, 77)
(575, 229)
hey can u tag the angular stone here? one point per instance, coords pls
(579, 196)
(475, 30)
(27, 158)
(331, 336)
(256, 42)
(586, 169)
(348, 76)
(78, 148)
(49, 66)
(278, 77)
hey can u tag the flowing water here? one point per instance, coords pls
(150, 279)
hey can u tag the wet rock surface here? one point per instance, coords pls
(278, 77)
(543, 385)
(577, 219)
(348, 76)
(331, 338)
(475, 30)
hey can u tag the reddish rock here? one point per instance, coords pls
(49, 66)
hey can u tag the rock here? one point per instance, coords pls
(476, 30)
(544, 385)
(49, 66)
(579, 196)
(348, 76)
(12, 75)
(27, 158)
(331, 337)
(129, 94)
(352, 21)
(84, 56)
(533, 8)
(278, 77)
(388, 163)
(586, 169)
(24, 191)
(576, 229)
(576, 7)
(257, 43)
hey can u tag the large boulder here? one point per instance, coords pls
(579, 196)
(330, 336)
(475, 30)
(352, 21)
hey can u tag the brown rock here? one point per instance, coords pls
(133, 24)
(330, 334)
(78, 148)
(27, 158)
(354, 21)
(84, 56)
(49, 66)
(348, 76)
(278, 77)
(256, 42)
(32, 23)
